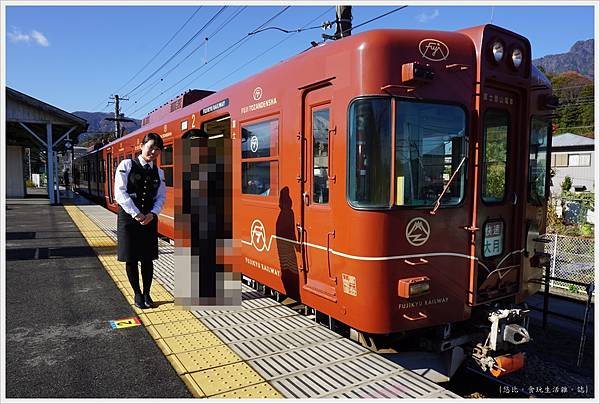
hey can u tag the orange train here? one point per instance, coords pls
(395, 181)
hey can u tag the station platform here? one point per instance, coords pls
(60, 343)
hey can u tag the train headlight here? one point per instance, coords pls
(497, 51)
(517, 57)
(411, 287)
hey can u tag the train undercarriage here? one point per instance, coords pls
(491, 340)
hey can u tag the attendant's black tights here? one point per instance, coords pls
(134, 279)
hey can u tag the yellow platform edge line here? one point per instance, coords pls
(99, 242)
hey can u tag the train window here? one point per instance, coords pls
(538, 158)
(260, 165)
(429, 151)
(369, 151)
(257, 177)
(110, 174)
(495, 143)
(102, 176)
(320, 141)
(166, 163)
(260, 139)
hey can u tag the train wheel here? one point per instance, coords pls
(369, 341)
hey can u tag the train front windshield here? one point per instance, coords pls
(428, 151)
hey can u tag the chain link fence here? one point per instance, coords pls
(572, 260)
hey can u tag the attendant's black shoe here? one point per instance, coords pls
(139, 301)
(148, 301)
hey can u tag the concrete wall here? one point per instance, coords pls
(582, 175)
(15, 184)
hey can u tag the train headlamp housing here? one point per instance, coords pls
(517, 57)
(416, 72)
(497, 50)
(411, 287)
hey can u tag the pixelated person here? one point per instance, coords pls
(140, 193)
(206, 214)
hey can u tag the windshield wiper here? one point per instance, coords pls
(437, 203)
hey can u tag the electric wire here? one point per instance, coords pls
(179, 50)
(153, 57)
(160, 50)
(240, 41)
(248, 62)
(149, 88)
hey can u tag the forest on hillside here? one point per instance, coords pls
(575, 113)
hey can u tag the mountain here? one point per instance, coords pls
(99, 126)
(580, 58)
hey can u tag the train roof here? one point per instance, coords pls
(308, 57)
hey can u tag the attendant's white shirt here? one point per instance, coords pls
(123, 198)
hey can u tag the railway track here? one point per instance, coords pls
(469, 382)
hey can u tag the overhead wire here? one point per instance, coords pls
(359, 25)
(179, 50)
(153, 57)
(239, 42)
(149, 88)
(161, 49)
(248, 62)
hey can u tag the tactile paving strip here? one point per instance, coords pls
(226, 378)
(300, 358)
(189, 342)
(167, 330)
(206, 358)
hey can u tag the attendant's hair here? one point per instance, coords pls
(158, 142)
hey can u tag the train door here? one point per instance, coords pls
(88, 172)
(316, 216)
(99, 174)
(502, 171)
(109, 175)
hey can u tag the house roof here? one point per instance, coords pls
(571, 140)
(35, 103)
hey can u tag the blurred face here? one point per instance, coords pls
(149, 151)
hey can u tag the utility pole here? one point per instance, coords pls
(343, 22)
(118, 119)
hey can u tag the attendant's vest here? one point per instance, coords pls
(142, 186)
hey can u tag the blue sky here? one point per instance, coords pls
(75, 57)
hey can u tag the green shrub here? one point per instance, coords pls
(586, 230)
(566, 184)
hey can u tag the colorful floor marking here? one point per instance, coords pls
(125, 323)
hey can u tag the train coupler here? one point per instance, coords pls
(508, 329)
(505, 364)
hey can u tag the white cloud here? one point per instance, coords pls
(33, 36)
(424, 17)
(39, 38)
